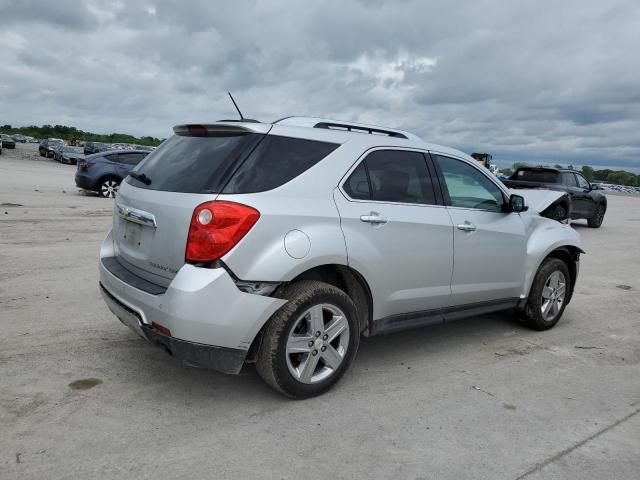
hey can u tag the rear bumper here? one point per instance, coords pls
(226, 360)
(84, 181)
(212, 322)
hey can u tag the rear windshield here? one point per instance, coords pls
(542, 176)
(237, 163)
(193, 164)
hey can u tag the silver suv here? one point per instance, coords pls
(281, 244)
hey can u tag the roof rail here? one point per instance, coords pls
(329, 124)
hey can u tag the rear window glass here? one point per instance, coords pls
(543, 176)
(194, 164)
(275, 161)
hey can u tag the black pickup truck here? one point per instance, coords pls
(585, 202)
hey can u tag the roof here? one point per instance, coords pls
(328, 123)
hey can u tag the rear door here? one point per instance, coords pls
(152, 218)
(397, 234)
(489, 244)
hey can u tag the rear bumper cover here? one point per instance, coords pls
(226, 360)
(85, 182)
(212, 322)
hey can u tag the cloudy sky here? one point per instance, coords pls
(541, 81)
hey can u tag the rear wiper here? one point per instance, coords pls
(140, 177)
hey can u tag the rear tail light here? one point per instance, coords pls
(216, 227)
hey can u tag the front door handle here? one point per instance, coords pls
(467, 227)
(374, 218)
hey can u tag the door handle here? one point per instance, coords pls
(374, 218)
(467, 227)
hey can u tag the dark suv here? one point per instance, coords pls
(585, 201)
(103, 172)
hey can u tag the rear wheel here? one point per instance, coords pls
(598, 216)
(108, 187)
(548, 295)
(310, 342)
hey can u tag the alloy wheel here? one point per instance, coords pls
(109, 188)
(553, 295)
(317, 343)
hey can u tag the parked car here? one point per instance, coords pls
(19, 138)
(7, 141)
(585, 201)
(0, 148)
(68, 154)
(281, 244)
(95, 147)
(103, 172)
(46, 146)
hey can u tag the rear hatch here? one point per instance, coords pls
(155, 203)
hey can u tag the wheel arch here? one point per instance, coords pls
(570, 255)
(343, 277)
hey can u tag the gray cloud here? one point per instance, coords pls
(539, 80)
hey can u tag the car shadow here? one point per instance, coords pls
(375, 353)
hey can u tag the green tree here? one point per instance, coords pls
(557, 165)
(587, 171)
(517, 165)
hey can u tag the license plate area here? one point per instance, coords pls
(132, 234)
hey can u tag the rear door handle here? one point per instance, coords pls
(467, 227)
(374, 218)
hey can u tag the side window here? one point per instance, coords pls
(131, 158)
(582, 183)
(568, 179)
(392, 176)
(357, 185)
(275, 161)
(468, 187)
(113, 157)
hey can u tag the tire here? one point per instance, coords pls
(598, 216)
(292, 328)
(547, 298)
(559, 213)
(108, 187)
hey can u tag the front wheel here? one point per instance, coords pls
(598, 216)
(108, 187)
(548, 295)
(310, 342)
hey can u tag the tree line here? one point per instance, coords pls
(617, 177)
(68, 133)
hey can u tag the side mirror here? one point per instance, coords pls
(516, 204)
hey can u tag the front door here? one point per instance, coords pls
(489, 244)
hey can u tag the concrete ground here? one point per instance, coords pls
(83, 397)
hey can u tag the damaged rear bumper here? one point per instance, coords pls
(222, 359)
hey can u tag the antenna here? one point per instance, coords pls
(236, 105)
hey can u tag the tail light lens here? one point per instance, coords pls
(216, 227)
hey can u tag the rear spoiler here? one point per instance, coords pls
(220, 129)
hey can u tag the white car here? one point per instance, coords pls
(281, 244)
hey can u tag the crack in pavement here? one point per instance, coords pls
(566, 451)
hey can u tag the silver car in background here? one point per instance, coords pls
(281, 244)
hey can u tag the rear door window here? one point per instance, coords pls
(396, 176)
(131, 158)
(276, 161)
(569, 179)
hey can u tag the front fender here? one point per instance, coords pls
(545, 236)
